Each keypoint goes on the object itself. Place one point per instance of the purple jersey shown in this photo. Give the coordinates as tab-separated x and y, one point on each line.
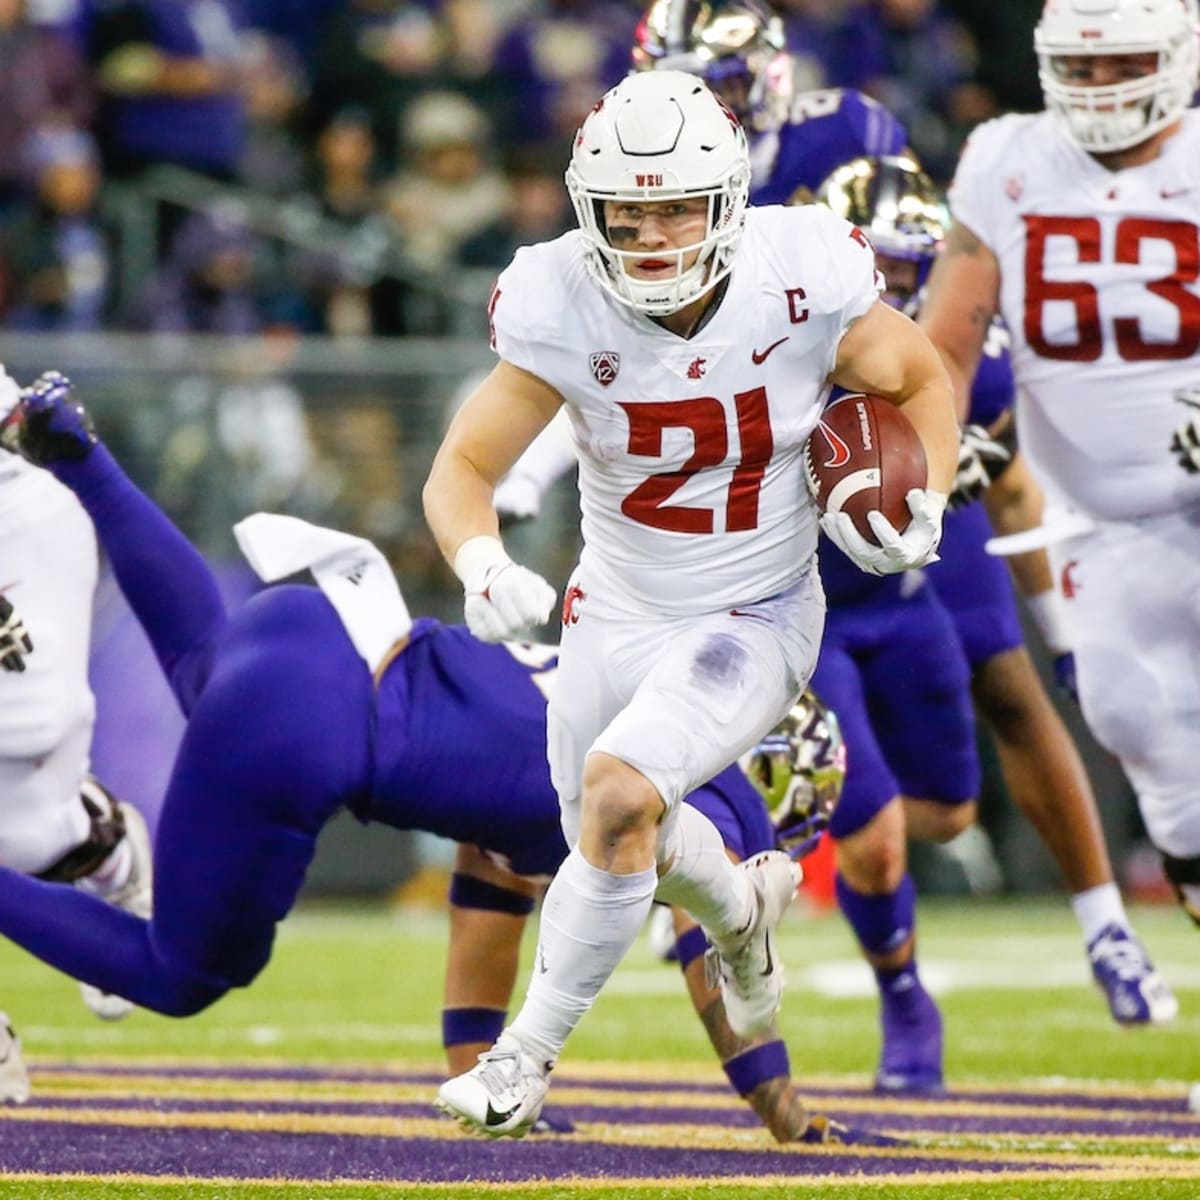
826	129
993	389
975	586
461	752
286	726
895	674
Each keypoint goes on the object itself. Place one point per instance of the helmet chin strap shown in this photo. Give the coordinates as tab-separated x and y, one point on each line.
679	291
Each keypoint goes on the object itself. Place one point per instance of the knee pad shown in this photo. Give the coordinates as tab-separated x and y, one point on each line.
1184	876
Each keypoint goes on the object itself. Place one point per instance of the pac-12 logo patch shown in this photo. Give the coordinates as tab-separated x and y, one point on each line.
605	364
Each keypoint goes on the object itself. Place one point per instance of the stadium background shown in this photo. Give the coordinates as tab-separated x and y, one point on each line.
281	313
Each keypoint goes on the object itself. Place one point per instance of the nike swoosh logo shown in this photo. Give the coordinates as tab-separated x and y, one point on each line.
758	358
839	452
494	1118
1171	193
14	583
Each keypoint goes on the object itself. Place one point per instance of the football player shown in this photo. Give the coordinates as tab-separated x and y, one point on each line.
56	820
900	210
1079	226
309	700
739	48
693	344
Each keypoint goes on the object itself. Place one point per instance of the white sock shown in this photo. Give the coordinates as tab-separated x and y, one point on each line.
589	920
701	879
1097	907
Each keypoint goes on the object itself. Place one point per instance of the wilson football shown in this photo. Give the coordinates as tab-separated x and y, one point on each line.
863	455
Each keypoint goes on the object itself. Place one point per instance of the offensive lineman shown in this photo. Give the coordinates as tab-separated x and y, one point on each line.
1079	226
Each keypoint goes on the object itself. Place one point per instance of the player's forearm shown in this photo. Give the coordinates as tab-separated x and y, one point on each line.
457	499
930	408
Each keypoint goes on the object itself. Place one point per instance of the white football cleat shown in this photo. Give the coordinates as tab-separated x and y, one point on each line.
746	968
14	1079
502	1095
135	896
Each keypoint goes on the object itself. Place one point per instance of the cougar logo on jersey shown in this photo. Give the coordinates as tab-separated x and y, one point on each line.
571	601
605	364
696	368
1014	187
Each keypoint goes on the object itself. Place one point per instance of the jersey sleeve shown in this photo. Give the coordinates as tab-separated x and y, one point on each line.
978	185
519	327
853	283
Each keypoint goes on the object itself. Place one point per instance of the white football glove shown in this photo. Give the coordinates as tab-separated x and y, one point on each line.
980	459
896	552
502	599
1185	442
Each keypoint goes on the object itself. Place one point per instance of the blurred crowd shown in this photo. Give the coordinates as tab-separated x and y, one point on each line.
350	161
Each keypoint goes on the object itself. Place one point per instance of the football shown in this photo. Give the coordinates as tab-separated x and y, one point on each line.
863	455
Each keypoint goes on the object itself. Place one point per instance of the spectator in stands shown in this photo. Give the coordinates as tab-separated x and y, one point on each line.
208	284
274	88
167	75
555	60
918	61
538	209
336	278
298	22
450	190
42	80
378	55
56	260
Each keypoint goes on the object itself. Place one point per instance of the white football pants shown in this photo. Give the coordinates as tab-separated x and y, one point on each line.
1132	596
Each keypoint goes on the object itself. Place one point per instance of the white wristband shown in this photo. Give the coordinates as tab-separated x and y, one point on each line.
476	556
1046	610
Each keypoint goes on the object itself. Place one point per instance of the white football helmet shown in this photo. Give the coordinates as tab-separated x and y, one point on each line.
738	47
1108	118
661	135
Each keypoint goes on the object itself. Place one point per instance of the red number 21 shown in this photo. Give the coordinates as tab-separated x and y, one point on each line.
705	417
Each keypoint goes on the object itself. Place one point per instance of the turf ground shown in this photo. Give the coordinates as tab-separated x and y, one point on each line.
317	1081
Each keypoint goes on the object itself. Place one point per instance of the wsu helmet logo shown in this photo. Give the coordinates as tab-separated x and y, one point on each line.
604	364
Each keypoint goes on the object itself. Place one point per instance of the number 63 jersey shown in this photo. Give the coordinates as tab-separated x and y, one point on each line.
1100	292
691	489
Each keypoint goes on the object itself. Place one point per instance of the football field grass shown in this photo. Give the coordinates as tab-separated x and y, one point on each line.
317	1081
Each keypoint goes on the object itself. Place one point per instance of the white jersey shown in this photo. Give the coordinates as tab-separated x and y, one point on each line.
691	488
1101	293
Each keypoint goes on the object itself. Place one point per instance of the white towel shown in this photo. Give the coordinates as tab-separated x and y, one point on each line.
351	572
